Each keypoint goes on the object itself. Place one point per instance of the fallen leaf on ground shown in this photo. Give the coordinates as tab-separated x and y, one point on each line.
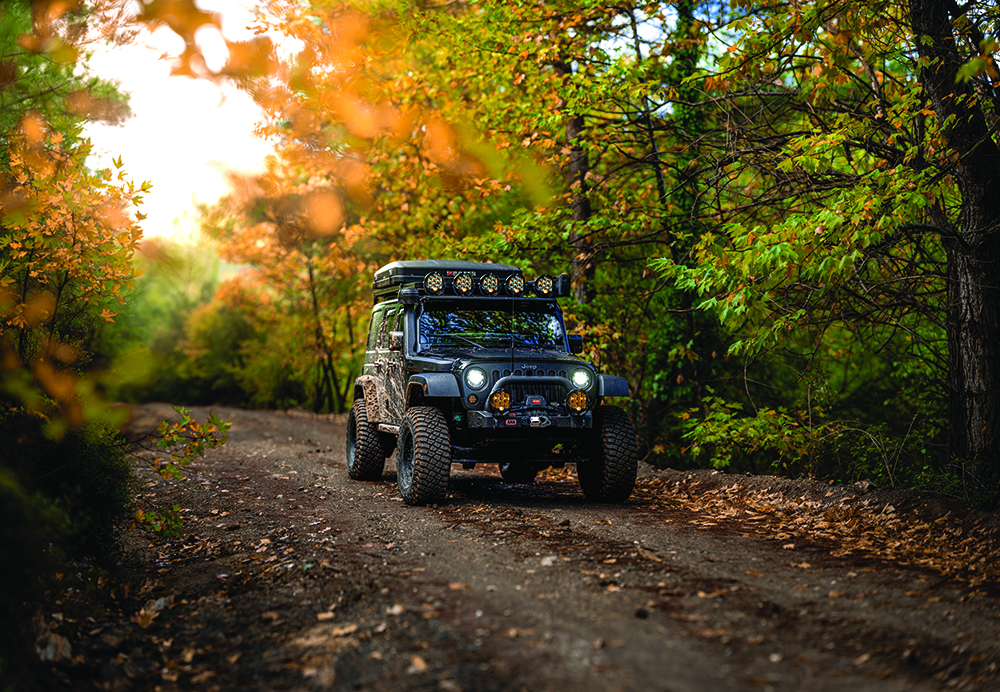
344	631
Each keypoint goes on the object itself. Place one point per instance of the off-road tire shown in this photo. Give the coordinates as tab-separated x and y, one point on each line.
423	456
609	476
365	456
518	473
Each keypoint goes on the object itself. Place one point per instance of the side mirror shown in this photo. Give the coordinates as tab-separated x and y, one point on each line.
395	341
575	343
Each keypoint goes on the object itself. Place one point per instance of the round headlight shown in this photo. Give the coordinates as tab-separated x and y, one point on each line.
582	378
515	284
475	378
489	284
434	283
544	285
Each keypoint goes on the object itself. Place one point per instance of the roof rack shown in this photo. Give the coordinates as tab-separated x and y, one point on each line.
459	278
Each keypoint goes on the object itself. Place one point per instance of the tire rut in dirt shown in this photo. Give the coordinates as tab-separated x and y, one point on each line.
423	456
610	475
365	456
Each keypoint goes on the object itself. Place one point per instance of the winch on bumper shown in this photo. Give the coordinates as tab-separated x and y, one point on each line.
527	419
533	410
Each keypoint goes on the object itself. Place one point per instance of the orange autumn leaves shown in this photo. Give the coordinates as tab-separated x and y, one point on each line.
68	239
67	233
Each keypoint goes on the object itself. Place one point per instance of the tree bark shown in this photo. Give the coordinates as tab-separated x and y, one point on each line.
973	259
579	166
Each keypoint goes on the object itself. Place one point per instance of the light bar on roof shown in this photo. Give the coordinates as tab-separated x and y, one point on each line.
464	283
434	283
545	285
489	284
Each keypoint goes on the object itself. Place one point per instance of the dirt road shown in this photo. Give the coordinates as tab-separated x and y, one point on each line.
290	576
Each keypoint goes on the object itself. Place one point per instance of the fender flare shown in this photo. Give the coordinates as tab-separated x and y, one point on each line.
364	388
432	385
612	385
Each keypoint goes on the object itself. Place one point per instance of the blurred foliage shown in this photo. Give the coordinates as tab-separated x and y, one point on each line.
60	499
67	235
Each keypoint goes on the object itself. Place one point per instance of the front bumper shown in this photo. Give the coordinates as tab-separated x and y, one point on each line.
483	420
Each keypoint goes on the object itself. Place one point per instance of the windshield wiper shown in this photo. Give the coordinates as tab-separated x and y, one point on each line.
459	336
526	343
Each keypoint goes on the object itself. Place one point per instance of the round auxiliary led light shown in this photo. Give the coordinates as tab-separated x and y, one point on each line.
464	283
582	378
434	283
515	284
475	378
577	400
500	401
544	285
489	284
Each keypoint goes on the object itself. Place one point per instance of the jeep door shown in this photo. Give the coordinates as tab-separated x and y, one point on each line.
392	375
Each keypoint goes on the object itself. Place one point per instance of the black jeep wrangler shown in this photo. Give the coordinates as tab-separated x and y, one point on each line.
467	362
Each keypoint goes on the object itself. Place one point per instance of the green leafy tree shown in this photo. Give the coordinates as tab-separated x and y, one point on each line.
850	199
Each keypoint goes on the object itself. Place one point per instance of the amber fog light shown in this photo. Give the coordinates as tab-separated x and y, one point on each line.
500	401
472	399
578	400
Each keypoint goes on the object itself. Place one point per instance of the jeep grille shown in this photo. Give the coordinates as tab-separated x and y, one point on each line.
552	393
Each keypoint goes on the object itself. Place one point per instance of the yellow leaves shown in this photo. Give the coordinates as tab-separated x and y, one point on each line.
33	128
107	315
252	58
61	386
441	139
363	119
35	311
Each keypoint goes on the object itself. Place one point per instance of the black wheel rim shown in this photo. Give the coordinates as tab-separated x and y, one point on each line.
352	440
404	459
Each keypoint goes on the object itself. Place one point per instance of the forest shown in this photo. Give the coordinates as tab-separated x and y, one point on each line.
780	221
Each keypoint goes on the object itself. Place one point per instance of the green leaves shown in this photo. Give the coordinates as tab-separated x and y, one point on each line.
187	440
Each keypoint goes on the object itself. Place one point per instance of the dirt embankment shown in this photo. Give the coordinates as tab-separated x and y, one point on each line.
291	576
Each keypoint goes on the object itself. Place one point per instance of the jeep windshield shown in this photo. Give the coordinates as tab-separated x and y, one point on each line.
490	326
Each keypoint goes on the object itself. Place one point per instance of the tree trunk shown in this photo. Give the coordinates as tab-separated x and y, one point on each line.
579	166
974	258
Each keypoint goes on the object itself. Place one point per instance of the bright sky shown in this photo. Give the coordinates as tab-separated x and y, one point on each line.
184	132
